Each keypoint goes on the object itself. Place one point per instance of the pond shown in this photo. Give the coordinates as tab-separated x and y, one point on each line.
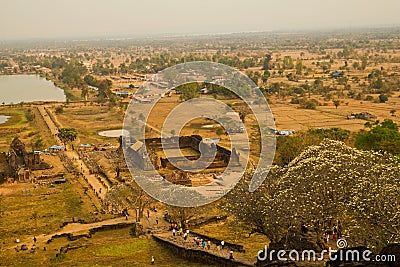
4	118
28	88
114	133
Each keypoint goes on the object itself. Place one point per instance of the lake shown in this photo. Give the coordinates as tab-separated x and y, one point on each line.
3	118
28	88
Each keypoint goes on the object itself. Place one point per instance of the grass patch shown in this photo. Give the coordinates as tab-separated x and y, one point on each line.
37	210
89	120
17	125
123	250
17	118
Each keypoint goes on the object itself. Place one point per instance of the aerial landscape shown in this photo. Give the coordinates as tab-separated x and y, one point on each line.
214	133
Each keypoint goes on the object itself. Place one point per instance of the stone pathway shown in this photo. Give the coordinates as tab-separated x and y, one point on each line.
72	229
99	188
215	249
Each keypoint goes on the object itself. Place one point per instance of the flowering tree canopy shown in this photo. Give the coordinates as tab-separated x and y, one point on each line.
330	181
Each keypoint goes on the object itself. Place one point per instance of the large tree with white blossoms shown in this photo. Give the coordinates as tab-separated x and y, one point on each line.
361	189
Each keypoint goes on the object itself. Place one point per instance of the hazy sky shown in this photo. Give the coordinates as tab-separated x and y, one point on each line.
22	19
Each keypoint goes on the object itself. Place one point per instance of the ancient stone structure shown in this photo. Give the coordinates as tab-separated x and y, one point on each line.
21	163
194	147
138	149
200	255
179	177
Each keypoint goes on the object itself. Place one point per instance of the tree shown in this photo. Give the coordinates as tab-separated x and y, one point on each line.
383	98
189	91
327	182
255	77
364	63
265	76
105	88
85	92
242	115
378	84
336	102
59	109
67	135
129	196
73	73
299	67
256	210
90	80
392	112
384	136
182	215
308	104
267	61
290	147
356	65
288	62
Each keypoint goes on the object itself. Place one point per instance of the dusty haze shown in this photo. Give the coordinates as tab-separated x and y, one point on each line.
21	19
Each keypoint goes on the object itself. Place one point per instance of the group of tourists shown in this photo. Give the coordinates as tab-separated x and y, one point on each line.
179	231
200	242
335	232
330	230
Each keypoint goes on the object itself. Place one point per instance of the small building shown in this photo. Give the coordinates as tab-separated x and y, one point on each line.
60	181
55	148
337	74
122	94
85	146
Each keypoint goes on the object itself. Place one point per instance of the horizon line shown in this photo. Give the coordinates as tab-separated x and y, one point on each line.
124	37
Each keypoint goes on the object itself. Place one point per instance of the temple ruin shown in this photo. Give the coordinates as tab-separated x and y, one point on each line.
17	163
190	150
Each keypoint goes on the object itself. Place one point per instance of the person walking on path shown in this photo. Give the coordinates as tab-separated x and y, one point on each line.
152	260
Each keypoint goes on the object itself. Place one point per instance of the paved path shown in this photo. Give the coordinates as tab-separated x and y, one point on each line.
100	189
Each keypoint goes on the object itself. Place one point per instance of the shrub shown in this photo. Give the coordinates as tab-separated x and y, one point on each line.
383	98
308	104
59	109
